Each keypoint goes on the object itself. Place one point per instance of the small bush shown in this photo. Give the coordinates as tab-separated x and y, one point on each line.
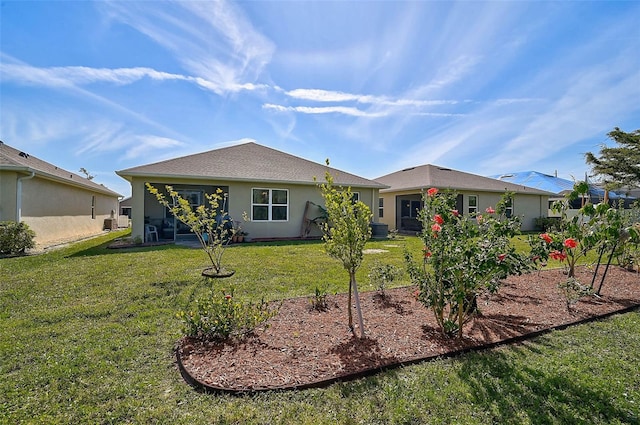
381	275
548	223
221	316
15	238
319	300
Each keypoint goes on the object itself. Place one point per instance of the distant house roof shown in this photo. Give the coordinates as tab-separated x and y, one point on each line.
246	162
553	184
14	160
426	176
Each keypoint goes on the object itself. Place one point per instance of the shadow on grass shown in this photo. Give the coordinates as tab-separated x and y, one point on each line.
514	392
103	249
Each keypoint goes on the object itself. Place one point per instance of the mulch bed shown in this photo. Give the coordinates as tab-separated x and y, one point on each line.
304	347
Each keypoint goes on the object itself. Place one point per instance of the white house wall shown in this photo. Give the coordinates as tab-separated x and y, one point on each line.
8	195
58	212
240	202
528	207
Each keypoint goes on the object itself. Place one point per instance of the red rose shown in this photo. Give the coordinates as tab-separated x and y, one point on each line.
570	243
432	192
436	227
438	219
490	210
455	213
546	237
557	255
501	257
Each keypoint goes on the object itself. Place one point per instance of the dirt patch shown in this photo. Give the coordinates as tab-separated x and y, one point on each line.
304	347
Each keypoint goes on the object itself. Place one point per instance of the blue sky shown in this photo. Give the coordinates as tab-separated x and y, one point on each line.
482	87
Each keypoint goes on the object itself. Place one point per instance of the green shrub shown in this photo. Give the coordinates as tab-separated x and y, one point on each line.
382	275
221	316
547	223
319	299
15	238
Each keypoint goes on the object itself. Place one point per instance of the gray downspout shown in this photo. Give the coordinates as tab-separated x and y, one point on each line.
19	195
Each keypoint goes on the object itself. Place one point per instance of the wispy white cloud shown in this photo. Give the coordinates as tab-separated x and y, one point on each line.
319	95
214	41
345	110
70	76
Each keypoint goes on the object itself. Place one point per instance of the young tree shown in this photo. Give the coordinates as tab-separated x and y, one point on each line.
345	234
208	223
619	166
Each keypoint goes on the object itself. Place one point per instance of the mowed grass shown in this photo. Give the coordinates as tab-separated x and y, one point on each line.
87	336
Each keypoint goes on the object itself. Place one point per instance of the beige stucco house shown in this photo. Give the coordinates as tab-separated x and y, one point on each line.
399	203
276	190
58	205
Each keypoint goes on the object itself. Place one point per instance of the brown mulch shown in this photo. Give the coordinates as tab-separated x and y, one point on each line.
303	347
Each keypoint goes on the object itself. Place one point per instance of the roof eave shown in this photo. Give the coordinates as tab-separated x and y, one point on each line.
129	177
53	177
532	191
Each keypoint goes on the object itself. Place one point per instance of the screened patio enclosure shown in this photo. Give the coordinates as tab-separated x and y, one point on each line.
408	208
167	226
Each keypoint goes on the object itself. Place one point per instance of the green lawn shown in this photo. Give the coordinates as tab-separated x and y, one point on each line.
87	336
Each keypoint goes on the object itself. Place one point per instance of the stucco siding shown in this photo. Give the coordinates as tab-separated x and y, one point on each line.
58	212
8	181
528	207
240	202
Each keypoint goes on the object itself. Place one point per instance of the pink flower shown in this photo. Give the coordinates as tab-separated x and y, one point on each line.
438	219
479	218
436	227
455	213
546	237
228	297
427	254
432	192
490	210
501	257
570	243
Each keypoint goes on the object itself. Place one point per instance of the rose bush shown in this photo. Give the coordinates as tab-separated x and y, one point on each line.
462	256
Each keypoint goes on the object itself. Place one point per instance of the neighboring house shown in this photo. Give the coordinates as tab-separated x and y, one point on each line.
125	207
400	202
561	187
277	191
58	205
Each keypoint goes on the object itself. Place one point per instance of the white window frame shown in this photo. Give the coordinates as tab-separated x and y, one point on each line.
270	205
508	211
472	209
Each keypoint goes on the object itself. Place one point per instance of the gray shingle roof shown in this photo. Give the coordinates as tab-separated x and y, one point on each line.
426	176
246	162
15	160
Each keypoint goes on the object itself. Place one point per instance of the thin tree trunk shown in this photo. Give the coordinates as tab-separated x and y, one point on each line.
349	306
352	279
606	269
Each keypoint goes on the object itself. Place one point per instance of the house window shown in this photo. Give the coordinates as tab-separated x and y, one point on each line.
93	207
473	204
355	196
508	210
381	207
270	205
